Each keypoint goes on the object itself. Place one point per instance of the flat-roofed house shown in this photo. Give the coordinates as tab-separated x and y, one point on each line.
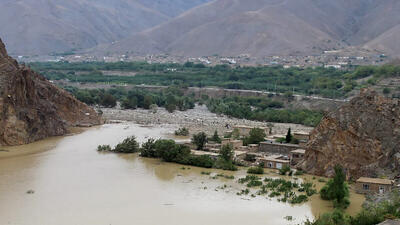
236	144
275	161
296	156
301	135
367	185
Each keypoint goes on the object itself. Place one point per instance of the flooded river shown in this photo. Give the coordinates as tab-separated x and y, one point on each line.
73	184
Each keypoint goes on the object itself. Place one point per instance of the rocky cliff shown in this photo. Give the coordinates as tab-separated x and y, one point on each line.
31	108
363	136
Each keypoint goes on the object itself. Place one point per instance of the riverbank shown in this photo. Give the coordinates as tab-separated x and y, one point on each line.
199	119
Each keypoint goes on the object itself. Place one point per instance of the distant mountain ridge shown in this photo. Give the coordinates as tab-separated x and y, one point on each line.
271	27
47	26
200	27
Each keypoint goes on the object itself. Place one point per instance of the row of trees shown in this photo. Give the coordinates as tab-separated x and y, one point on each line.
170	151
171	98
327	82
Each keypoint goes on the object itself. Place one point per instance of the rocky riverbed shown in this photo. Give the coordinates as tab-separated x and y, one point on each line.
197	119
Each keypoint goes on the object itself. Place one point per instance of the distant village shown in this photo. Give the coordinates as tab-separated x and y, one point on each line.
338	59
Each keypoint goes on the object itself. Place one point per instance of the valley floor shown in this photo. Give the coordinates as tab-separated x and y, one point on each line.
197	119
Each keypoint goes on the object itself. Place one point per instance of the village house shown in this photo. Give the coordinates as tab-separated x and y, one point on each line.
366	185
236	144
277	148
296	156
201	153
275	161
245	130
213	147
301	135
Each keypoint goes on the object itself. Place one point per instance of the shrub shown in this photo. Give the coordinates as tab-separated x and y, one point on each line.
148	149
215	138
129	145
255	170
200	140
182	132
256	135
103	148
284	170
254	183
298	173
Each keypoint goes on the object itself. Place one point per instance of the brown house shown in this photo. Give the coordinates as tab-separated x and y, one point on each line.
296	156
366	185
275	162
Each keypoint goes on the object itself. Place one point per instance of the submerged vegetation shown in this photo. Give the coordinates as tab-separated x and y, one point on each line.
129	145
370	215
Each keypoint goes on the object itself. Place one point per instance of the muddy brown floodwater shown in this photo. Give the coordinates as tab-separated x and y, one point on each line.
73	184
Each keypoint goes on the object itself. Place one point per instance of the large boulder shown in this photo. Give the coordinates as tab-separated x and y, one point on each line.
363	136
32	108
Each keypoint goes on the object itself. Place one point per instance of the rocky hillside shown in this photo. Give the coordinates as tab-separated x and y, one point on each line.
54	26
31	108
363	136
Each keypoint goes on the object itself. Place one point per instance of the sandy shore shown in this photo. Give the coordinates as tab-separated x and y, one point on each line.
196	120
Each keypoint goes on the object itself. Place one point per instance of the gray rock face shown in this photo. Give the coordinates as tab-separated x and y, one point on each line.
363	136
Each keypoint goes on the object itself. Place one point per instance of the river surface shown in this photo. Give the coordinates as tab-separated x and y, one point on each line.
73	184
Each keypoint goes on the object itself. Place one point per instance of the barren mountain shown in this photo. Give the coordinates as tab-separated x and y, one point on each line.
31	108
363	136
268	27
46	26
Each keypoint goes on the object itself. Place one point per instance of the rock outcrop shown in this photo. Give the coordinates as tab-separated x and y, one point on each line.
32	108
363	136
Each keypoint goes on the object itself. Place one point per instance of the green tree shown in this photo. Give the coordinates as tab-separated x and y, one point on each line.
289	136
336	189
129	103
147	102
386	91
226	152
256	135
108	101
129	145
200	140
148	149
215	138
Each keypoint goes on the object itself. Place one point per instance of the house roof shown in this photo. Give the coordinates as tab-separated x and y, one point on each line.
374	180
299	151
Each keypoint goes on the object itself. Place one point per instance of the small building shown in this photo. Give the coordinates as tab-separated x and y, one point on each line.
212	146
301	135
201	153
296	156
367	185
275	161
236	144
277	148
239	155
243	130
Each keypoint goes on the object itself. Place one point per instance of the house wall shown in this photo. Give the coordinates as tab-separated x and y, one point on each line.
373	188
277	148
274	165
236	144
295	158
